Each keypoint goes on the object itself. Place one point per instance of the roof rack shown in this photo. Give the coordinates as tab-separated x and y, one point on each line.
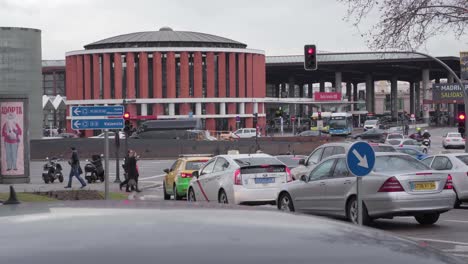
195	155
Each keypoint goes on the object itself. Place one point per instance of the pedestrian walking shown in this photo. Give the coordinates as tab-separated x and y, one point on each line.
131	167
75	169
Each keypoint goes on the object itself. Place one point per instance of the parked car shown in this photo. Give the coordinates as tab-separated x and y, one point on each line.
239	179
373	134
413	151
457	165
178	177
292	161
453	140
309	133
399	185
245	133
408	142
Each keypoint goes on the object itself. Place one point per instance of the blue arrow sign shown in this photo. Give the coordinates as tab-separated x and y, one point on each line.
113	110
360	159
83	124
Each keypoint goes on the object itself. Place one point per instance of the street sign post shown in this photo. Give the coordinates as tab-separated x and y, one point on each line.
238	119
97	118
360	160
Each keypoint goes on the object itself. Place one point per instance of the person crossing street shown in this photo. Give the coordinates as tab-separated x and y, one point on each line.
75	169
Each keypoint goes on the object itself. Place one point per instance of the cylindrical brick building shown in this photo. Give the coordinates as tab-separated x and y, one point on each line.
171	74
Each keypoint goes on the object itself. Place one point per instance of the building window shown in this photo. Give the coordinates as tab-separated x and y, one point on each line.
178	68
204	74
401	104
163	75
216	77
112	76
150	78
237	74
124	76
191	69
137	75
101	90
228	87
388	102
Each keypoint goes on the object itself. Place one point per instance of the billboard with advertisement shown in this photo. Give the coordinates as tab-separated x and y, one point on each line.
447	92
464	65
12	138
327	96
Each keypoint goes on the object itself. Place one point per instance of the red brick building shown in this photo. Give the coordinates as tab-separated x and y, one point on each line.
171	74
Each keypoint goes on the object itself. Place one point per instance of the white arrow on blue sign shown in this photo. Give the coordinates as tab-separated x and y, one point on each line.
81	124
83	111
360	159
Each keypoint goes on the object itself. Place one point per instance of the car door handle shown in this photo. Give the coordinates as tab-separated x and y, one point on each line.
347	182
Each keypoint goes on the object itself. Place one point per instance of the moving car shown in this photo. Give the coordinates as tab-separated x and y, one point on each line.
413	151
373	134
292	161
408	142
111	135
398	186
309	133
178	177
223	233
453	140
326	150
245	133
371	124
239	179
394	136
457	165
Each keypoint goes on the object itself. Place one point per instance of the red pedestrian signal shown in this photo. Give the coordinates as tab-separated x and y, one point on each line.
310	58
126	115
461	117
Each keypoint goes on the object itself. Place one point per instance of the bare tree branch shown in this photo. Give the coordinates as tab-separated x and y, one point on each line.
408	24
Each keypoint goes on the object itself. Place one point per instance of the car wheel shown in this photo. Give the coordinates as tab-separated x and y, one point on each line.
458	203
352	212
191	195
427	219
285	203
166	196
222	197
176	195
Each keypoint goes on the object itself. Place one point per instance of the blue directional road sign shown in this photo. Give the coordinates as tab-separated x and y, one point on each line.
82	111
360	159
83	124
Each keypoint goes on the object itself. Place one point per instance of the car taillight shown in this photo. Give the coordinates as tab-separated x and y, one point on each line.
237	177
401	145
448	140
288	175
448	183
186	175
391	185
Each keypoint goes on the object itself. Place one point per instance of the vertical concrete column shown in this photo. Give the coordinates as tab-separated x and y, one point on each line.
394	96
144	109
249	76
355	91
261	76
79	77
96	78
369	98
232	75
222	74
451	107
426	82
117	76
241	70
171	109
106	80
310	90
291	86
87	76
222	108
241	108
412	99
417	92
143	74
197	75
348	91
338	81
255	107
322	86
131	91
171	75
158	108
184	108
198	109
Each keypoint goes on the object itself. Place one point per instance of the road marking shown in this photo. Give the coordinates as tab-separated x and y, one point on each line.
456	221
439	241
460	255
457	248
152	177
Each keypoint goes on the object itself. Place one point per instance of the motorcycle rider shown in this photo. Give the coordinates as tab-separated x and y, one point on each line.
426	135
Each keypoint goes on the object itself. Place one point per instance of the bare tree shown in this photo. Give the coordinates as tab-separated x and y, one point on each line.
407	24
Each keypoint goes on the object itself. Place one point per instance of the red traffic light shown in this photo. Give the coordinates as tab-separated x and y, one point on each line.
311	51
461	116
126	115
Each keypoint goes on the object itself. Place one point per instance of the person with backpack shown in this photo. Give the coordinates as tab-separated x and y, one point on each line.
75	169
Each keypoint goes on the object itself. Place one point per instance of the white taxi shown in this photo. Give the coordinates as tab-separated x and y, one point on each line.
239	179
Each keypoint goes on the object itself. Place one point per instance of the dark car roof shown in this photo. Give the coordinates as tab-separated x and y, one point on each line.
171	232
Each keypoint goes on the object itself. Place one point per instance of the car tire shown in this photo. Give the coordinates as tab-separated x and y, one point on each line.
285	202
457	204
222	197
176	195
352	211
191	195
427	219
166	196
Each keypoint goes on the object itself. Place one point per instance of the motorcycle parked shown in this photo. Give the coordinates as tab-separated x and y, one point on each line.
53	171
94	170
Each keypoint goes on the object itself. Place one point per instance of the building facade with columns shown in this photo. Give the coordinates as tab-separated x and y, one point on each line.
168	74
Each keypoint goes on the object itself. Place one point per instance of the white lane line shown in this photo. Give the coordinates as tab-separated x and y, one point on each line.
456	221
439	241
460	255
152	177
457	249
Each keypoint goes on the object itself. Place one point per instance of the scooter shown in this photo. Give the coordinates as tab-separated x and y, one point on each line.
53	171
426	142
94	170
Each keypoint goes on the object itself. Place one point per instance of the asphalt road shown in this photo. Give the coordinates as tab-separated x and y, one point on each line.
450	234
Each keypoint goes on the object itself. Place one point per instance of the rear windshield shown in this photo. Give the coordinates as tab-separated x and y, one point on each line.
395	136
455	135
398	163
291	161
260	165
463	158
370	122
194	164
384	149
394	142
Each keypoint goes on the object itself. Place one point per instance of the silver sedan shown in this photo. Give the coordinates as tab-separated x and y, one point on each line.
399	185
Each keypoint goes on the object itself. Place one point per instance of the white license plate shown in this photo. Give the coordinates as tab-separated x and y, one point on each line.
264	180
456	140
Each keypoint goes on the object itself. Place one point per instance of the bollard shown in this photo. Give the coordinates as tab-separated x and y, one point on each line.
12	199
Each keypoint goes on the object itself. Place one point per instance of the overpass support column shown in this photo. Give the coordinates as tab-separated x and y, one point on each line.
451	107
291	86
369	95
411	97
348	91
310	90
322	86
417	98
394	96
338	81
425	87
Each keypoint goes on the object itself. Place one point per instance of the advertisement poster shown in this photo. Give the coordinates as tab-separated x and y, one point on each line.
12	138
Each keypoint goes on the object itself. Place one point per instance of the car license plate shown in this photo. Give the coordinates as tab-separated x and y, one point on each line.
456	140
423	186
264	180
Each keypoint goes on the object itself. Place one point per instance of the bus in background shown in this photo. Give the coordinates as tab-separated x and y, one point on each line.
341	124
325	118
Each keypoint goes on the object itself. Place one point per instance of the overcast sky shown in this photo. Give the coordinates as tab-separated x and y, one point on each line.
277	26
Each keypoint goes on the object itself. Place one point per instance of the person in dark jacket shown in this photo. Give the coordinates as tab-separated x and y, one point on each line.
132	173
75	169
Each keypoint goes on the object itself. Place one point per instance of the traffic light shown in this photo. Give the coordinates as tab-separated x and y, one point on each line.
461	123
126	115
310	58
